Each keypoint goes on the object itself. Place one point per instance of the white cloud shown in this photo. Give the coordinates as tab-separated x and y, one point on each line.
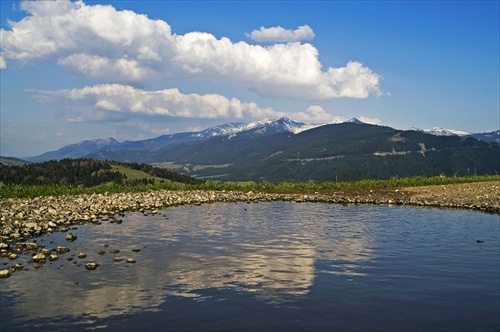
316	114
3	64
279	34
99	41
374	121
119	103
98	100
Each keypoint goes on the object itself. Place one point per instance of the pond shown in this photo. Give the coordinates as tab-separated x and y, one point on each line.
278	266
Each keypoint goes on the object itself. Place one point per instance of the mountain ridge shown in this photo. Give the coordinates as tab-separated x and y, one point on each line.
111	147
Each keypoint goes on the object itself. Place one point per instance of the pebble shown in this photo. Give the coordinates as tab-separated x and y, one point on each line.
4	273
62	250
17	267
39	258
91	266
70	237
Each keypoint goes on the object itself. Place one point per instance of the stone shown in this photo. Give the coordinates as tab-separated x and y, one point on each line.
70	237
12	256
4	273
39	258
46	251
117	259
82	255
17	267
53	258
131	260
62	250
114	251
31	246
91	266
101	252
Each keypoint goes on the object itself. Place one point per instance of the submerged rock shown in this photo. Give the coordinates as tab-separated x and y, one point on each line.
62	250
17	267
70	237
91	266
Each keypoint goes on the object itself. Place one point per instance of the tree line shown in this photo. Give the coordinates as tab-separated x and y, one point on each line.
82	172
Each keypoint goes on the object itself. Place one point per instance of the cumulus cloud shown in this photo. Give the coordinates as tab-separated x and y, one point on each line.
100	100
316	113
101	42
279	34
119	103
3	65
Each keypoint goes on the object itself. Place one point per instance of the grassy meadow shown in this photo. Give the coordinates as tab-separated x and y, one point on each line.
26	191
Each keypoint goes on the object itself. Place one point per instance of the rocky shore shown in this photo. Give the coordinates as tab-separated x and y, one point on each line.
24	219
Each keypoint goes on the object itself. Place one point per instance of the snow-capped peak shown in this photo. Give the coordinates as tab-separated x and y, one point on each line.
439	131
354	120
232	129
99	142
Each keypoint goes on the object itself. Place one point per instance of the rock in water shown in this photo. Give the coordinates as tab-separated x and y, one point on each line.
61	250
4	273
70	237
91	266
39	258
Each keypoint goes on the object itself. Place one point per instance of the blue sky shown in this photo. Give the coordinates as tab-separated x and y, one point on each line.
139	69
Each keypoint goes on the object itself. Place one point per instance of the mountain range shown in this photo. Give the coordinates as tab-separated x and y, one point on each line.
284	149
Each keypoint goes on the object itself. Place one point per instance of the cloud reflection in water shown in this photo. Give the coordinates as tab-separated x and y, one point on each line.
270	250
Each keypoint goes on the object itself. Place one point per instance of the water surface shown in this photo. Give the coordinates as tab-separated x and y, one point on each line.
267	266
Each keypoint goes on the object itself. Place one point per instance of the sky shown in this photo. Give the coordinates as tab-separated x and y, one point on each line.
131	70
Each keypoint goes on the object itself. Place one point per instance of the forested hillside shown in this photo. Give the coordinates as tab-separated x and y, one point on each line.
343	152
86	173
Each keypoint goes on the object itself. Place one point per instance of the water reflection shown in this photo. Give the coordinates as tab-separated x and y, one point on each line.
272	252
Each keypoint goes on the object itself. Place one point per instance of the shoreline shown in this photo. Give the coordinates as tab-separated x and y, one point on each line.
22	219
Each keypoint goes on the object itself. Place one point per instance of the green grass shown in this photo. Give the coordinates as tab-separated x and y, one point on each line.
22	191
133	174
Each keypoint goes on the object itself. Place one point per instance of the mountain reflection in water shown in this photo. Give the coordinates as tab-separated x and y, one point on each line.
271	252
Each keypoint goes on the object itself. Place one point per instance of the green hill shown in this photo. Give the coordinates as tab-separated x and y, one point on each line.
88	173
342	152
10	161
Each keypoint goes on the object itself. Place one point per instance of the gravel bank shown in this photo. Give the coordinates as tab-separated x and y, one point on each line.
23	219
